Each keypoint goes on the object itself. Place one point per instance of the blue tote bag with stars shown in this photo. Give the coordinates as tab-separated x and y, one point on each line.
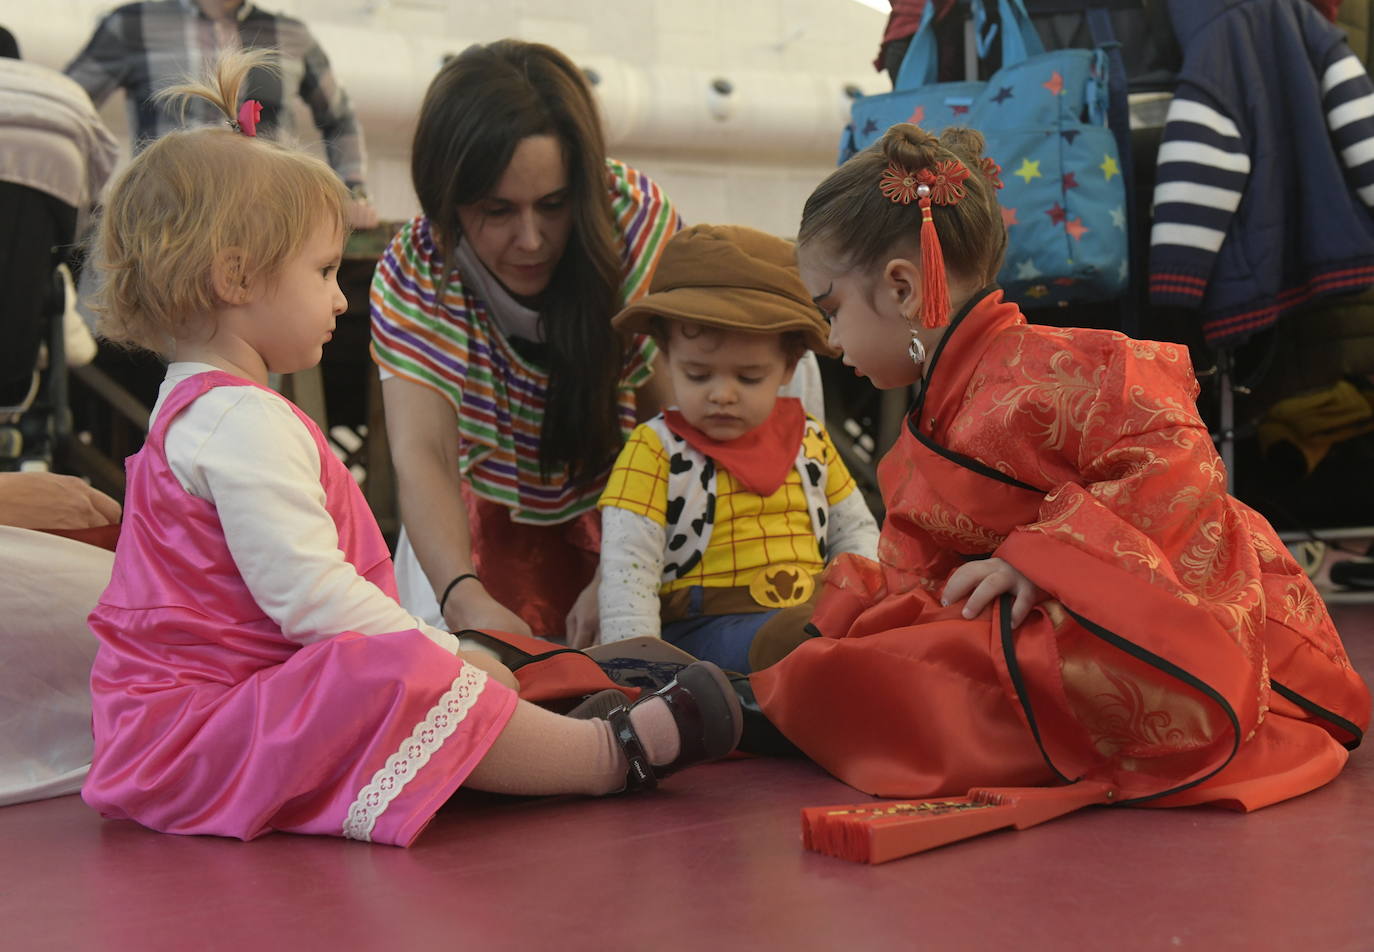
1044	116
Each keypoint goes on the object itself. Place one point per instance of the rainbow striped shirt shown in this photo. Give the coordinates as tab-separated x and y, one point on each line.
448	342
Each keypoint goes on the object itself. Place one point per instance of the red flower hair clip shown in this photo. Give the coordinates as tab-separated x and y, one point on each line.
992	170
946	181
898	184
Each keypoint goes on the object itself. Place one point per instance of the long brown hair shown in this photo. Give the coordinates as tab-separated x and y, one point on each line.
479	107
849	212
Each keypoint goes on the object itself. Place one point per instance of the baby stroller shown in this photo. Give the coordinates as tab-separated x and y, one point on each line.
55	154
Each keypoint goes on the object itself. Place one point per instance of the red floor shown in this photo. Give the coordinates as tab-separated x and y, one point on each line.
713	860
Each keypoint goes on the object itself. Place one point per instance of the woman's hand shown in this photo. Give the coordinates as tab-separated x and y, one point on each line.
984	580
584	621
51	501
470	606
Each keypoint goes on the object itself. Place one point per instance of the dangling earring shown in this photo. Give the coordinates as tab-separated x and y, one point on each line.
916	350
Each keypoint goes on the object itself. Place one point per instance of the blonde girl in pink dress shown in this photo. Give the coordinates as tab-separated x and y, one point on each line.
255	671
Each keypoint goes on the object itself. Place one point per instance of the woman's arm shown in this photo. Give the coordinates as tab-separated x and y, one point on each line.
423	430
49	501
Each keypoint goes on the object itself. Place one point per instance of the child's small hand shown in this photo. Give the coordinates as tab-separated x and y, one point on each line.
984	580
584	620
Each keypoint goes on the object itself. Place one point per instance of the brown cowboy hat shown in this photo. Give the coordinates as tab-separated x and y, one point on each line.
731	277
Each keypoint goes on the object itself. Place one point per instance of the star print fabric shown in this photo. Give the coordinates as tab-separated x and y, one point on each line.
1061	188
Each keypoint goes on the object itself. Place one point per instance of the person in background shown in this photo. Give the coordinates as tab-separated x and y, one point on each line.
144	47
902	24
722	510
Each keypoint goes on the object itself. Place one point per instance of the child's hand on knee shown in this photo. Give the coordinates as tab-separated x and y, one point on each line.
983	581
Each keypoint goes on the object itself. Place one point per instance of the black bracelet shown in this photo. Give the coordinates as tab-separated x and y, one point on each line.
451	586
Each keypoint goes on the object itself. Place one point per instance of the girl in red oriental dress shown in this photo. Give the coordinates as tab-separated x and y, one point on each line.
1064	588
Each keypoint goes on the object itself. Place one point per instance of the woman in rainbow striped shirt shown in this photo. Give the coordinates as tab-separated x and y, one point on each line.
507	392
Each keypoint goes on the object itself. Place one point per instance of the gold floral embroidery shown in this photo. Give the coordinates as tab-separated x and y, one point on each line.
1214	470
1197	560
1267	551
939	520
1165	412
1122	470
1189	499
1300	604
1233	599
1066	394
1122	719
1150	561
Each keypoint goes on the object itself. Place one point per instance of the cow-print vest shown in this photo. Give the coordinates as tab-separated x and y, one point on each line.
692	498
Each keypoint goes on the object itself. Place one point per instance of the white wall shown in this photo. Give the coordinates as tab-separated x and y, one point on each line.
788	60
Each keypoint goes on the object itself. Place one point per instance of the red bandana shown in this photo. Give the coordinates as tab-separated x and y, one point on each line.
760	459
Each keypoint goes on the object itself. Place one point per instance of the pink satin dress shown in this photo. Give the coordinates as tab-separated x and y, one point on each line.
208	719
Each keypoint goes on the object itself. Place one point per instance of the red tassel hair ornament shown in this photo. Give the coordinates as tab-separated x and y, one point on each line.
934	286
941	184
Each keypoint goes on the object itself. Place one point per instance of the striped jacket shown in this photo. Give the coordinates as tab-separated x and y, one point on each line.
1266	171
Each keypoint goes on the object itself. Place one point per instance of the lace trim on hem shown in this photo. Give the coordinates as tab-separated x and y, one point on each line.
402	767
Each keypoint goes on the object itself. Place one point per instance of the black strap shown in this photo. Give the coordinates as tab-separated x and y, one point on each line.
516	658
639	774
1174	671
1135	651
443	599
969	305
913	420
1316	710
1018	681
969	463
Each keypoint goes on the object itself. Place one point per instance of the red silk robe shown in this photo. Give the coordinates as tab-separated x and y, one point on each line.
1182	655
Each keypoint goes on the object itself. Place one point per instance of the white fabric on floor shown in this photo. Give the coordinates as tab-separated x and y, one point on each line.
48	585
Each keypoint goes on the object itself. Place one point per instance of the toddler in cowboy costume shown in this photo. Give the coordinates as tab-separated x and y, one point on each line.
721	511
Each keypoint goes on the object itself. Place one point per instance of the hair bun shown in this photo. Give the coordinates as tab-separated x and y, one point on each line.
910	146
966	143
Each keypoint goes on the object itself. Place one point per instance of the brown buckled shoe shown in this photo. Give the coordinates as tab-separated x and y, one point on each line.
708	717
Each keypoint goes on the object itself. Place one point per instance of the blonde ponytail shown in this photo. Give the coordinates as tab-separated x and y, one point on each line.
222	83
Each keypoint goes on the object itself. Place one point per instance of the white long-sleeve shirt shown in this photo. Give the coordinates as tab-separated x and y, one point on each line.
244	450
